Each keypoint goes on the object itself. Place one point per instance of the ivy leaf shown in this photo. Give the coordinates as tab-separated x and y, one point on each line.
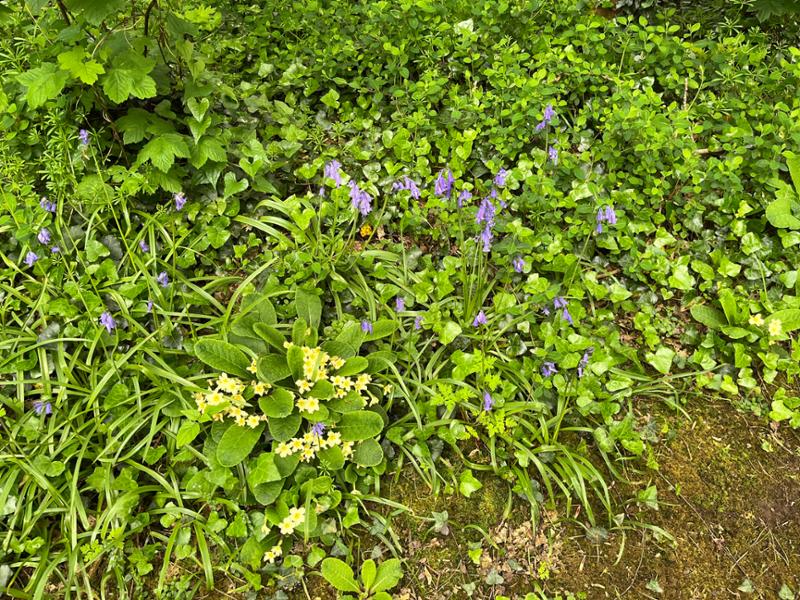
662	359
236	443
44	83
222	356
75	61
779	213
162	150
467	484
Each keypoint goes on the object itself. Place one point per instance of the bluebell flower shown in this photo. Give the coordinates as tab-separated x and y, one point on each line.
518	264
43	236
549	113
486	237
163	279
360	199
107	321
500	178
149	306
143	246
463	196
84	137
55	249
42	407
407	184
444	183
399	304
318	429
605	214
366	327
566	316
418	323
545	311
488	403
30	258
180	200
332	172
480	319
585	361
47	205
559	302
552	154
549	369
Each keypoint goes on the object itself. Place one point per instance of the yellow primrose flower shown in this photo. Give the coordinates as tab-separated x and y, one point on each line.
215	398
337	362
284	450
308	372
307	454
236	412
287	344
322	374
338	381
341	393
347	449
237	399
259	389
269	556
241	421
756	320
775	327
253	421
297	514
363	379
265	527
198	396
323	359
302	385
201	406
347	383
252	368
309	405
296	444
334	438
286	527
217	416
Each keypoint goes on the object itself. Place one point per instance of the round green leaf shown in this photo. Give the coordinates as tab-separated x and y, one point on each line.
368	453
359	425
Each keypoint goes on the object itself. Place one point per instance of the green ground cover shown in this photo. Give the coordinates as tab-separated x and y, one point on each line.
292	289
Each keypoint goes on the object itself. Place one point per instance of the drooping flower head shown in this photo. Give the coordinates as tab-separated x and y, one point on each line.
47	205
55	249
143	246
486	212
107	321
585	361
488	403
180	200
44	236
360	199
500	178
552	154
559	302
42	407
480	319
366	326
518	264
486	237
84	137
444	183
605	214
318	429
399	304
30	258
407	184
463	197
549	369
163	279
418	323
332	172
149	306
549	113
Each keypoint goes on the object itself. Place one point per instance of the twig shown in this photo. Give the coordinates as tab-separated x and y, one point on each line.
147	16
64	12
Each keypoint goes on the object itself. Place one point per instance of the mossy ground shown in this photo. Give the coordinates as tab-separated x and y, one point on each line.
732	507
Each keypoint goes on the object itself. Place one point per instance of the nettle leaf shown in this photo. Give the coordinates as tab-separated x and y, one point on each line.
162	150
278	404
273	368
661	359
222	356
359	425
368	453
43	83
237	443
339	575
467	484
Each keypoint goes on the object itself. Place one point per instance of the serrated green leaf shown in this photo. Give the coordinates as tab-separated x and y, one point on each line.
43	83
186	434
162	151
390	572
78	64
222	356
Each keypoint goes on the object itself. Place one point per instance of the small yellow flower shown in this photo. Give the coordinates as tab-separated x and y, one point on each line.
775	327
198	396
237	399
297	514
217	416
340	393
337	362
334	439
338	381
253	421
309	405
302	385
322	374
265	527
287	344
756	320
296	444
241	421
235	412
259	389
215	398
201	406
252	368
347	449
387	389
284	450
366	230
286	527
273	553
307	455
